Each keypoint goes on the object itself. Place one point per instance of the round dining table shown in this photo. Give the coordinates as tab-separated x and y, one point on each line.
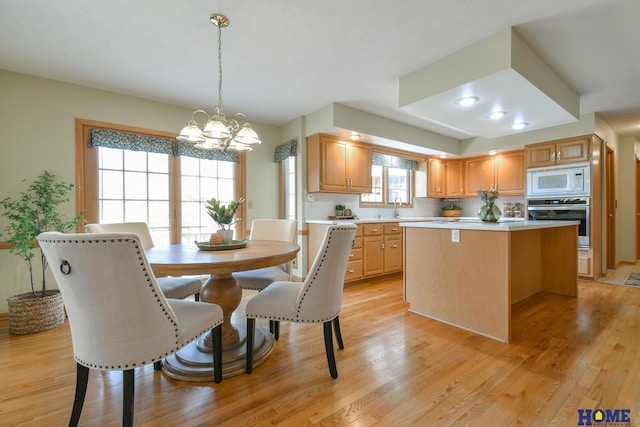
194	362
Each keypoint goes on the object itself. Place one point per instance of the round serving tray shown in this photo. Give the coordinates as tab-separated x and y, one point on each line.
235	244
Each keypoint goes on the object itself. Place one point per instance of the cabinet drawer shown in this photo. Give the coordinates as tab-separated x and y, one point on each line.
392	228
376	229
359	231
355	254
357	243
354	270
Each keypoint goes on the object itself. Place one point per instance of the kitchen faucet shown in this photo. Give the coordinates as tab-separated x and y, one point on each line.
395	206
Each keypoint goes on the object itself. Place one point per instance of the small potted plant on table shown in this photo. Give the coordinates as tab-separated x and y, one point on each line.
35	211
224	216
451	210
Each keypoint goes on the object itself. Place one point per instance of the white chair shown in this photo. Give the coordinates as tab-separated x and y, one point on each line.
119	317
268	229
172	287
317	299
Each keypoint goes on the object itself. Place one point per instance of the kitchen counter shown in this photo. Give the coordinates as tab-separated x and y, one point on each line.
468	274
411	219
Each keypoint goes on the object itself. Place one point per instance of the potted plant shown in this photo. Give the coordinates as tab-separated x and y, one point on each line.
451	210
34	211
224	216
340	210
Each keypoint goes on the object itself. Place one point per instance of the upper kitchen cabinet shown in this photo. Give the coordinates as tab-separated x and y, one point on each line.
337	166
570	150
504	173
445	178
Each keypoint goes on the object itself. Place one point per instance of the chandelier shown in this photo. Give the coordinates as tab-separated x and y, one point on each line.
220	132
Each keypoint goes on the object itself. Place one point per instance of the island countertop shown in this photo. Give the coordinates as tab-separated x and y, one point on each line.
488	226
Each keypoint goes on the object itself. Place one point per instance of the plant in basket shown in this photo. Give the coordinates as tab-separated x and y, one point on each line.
451	210
32	212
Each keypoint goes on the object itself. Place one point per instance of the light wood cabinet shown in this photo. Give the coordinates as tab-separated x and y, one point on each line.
504	173
436	178
355	263
454	178
392	248
570	150
445	178
337	166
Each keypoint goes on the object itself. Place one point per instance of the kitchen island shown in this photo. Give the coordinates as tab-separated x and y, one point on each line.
468	274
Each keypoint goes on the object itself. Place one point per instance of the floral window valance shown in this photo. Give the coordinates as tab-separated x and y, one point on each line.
286	150
155	144
385	160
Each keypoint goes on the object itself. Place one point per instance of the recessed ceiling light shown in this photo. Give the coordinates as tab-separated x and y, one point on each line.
467	101
443	156
355	136
497	115
519	125
493	152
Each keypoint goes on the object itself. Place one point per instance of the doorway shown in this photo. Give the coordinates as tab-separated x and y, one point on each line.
637	194
610	205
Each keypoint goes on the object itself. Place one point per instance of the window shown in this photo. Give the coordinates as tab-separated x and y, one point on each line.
390	183
288	186
154	181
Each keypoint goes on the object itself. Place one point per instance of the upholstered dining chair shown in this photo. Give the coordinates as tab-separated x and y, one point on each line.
172	287
317	299
119	317
268	229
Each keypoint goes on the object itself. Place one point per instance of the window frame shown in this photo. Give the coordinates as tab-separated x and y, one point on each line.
87	175
385	192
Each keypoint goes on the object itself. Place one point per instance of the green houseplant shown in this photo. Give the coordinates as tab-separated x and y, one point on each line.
32	212
451	210
224	216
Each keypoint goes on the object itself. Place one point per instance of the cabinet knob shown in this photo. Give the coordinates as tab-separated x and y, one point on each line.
351	255
351	271
553	156
558	156
394	246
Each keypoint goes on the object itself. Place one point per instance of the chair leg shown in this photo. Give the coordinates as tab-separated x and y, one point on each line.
157	366
127	398
274	328
336	328
197	296
82	378
216	335
328	345
250	334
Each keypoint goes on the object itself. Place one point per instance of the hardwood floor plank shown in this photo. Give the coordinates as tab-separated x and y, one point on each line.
397	368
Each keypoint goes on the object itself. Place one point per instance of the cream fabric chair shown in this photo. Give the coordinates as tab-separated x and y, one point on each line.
268	229
172	287
317	299
119	317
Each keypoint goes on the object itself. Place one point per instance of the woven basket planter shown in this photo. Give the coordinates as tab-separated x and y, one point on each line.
451	213
28	315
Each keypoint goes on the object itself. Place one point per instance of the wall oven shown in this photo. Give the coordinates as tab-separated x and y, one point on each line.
563	209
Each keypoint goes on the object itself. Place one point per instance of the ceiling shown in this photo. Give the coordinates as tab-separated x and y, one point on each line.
289	58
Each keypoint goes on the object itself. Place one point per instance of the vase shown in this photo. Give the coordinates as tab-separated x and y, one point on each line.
489	212
227	235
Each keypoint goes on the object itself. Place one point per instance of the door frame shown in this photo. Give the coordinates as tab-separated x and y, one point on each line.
610	206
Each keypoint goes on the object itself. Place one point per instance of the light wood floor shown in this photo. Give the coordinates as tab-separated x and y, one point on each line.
397	369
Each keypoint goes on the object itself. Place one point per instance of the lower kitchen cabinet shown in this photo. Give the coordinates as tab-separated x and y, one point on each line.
376	251
585	261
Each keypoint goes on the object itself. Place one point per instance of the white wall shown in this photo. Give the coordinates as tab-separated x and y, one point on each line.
37	132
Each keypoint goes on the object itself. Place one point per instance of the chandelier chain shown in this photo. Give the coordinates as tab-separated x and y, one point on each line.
220	67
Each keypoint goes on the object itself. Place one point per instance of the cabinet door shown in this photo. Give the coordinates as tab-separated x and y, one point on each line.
334	165
359	168
435	178
479	175
510	174
572	151
373	261
392	253
541	155
454	178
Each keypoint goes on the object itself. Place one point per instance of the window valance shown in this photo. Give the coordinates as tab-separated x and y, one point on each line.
388	161
155	144
286	150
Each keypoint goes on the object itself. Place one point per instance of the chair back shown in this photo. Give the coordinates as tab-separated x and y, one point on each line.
274	229
140	228
117	313
320	298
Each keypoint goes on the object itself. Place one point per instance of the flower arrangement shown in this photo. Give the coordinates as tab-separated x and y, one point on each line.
223	215
487	195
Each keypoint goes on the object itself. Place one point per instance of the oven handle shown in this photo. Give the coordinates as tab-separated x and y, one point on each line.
558	208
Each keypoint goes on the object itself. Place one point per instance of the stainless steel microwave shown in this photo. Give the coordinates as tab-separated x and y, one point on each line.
559	181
